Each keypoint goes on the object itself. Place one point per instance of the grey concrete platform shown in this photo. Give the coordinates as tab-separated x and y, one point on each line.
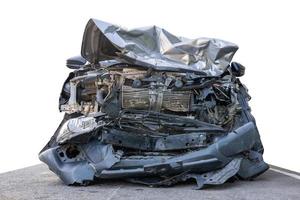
37	182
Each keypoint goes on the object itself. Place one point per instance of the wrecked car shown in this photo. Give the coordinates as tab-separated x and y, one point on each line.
149	107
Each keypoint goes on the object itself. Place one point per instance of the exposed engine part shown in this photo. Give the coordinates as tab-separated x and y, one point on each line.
156	98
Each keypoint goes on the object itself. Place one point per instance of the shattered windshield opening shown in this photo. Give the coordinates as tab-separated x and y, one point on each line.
149	107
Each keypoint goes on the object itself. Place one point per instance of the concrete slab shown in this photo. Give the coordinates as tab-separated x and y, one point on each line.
37	182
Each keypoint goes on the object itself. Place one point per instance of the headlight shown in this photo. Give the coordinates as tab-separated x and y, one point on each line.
76	126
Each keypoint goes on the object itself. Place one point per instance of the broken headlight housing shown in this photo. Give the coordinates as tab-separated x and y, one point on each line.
75	127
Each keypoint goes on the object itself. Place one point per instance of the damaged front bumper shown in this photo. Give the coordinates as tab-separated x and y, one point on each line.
230	156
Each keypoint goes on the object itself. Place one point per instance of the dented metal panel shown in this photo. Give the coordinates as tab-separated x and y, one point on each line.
155	47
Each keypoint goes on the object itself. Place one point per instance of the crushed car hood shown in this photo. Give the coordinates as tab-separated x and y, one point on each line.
155	47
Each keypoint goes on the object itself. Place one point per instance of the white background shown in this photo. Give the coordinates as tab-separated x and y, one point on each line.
36	37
